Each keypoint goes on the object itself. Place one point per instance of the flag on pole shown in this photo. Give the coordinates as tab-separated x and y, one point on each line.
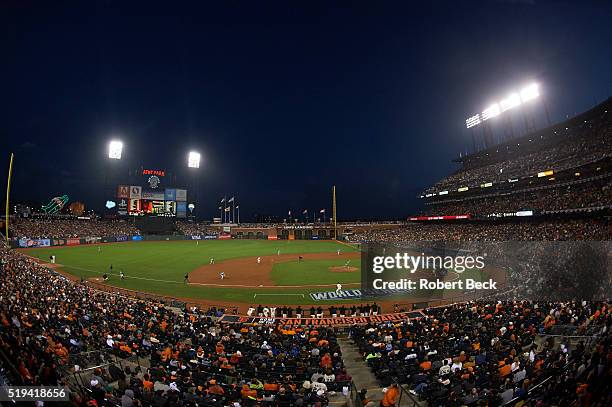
322	211
227	209
223	200
220	207
305	212
231	199
237	206
289	212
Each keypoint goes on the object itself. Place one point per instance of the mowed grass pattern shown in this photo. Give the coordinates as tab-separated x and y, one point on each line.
159	267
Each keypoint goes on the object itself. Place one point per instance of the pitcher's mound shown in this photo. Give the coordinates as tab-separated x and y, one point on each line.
343	269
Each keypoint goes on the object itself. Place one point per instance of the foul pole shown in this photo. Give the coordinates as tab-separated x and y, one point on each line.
8	194
334	212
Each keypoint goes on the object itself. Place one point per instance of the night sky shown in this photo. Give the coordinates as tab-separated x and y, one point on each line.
283	99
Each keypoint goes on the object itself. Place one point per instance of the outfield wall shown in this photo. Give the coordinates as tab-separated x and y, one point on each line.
281	232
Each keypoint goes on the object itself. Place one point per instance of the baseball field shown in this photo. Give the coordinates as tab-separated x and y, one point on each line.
243	271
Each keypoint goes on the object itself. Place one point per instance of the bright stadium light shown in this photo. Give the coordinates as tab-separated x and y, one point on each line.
490	112
513	100
472	121
193	160
115	148
530	92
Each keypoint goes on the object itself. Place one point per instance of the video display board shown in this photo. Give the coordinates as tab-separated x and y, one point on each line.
142	200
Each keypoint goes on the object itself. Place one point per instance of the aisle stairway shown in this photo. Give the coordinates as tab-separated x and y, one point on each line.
359	370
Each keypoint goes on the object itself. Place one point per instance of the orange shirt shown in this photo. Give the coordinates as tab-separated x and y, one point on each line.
505	370
326	361
425	365
271	386
147	385
166	354
390	396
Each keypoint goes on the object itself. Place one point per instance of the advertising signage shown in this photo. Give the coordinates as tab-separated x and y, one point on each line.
159	173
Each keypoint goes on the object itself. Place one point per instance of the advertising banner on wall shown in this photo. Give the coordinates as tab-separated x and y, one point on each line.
153	195
123	191
181	209
170	194
135	206
170	207
181	195
135	192
122	206
92	239
73	242
338	321
34	242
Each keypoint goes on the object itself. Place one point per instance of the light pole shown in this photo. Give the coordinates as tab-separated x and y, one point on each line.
193	161
115	152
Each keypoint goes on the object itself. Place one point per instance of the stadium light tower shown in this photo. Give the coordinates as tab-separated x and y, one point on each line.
514	99
115	148
193	160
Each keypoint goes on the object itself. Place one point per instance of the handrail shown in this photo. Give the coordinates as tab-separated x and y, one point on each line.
551	376
12	367
407	393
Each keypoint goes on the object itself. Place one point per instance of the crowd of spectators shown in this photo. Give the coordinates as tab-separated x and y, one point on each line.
196	229
47	322
487	353
561	229
573	148
57	228
578	196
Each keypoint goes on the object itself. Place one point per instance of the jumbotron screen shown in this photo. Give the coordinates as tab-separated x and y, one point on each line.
136	200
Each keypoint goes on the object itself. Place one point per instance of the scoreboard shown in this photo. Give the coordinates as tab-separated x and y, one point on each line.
151	198
136	201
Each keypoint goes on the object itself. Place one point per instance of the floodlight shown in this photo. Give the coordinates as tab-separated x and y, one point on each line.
513	100
193	160
472	121
490	112
115	148
530	92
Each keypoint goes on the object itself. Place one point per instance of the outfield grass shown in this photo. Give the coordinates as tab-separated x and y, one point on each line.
315	272
159	267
